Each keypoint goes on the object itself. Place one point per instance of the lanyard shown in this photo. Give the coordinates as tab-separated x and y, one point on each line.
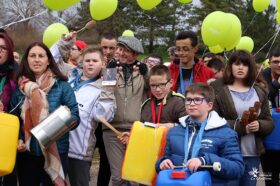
154	111
77	84
197	142
2	84
182	83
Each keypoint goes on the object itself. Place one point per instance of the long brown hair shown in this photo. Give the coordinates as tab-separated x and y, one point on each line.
24	69
244	57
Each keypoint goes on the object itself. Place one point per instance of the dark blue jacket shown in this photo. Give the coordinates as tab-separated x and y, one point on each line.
219	144
60	94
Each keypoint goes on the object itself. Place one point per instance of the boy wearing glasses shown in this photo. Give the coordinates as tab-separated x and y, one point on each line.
190	69
202	138
272	77
164	106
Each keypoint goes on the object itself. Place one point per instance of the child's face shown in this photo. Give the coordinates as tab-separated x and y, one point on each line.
218	73
160	86
92	65
197	106
239	70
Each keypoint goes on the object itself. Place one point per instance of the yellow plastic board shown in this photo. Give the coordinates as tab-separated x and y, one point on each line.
145	145
9	129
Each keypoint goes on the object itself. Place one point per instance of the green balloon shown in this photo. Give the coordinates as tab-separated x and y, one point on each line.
215	28
102	9
128	33
59	4
53	33
216	49
148	4
278	18
234	34
245	43
184	1
260	5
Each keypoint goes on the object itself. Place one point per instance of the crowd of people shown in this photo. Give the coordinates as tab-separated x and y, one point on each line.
202	101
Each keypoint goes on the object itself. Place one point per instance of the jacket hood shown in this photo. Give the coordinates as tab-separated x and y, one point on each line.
214	121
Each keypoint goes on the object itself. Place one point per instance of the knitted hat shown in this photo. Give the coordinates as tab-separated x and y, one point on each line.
131	43
80	44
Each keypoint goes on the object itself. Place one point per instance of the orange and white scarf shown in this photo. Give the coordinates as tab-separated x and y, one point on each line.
35	108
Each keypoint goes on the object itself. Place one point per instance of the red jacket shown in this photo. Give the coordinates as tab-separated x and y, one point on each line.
201	73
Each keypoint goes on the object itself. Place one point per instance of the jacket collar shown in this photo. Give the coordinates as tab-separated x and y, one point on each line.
213	121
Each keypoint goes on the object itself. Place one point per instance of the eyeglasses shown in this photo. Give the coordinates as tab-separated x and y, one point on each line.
3	49
196	100
183	49
275	62
159	85
75	48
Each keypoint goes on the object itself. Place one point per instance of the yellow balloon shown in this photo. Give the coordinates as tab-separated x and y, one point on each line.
59	4
260	5
128	33
278	4
102	9
53	33
148	4
234	34
245	43
184	1
266	63
216	49
215	28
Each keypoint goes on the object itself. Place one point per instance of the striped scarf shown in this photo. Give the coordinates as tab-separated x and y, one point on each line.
35	109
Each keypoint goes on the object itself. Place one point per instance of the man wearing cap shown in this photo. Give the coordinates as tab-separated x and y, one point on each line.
129	95
61	49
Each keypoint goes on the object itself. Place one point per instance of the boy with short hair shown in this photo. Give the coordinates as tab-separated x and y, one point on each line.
164	106
208	137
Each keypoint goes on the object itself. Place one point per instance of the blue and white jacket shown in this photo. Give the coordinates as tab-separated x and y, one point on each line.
93	101
219	144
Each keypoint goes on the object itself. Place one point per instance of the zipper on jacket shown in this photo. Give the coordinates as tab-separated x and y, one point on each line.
191	139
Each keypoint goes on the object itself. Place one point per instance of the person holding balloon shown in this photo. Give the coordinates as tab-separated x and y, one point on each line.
243	103
42	88
190	70
8	67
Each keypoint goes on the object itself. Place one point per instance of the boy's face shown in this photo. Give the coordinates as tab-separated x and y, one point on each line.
197	106
160	85
92	65
274	64
218	73
185	51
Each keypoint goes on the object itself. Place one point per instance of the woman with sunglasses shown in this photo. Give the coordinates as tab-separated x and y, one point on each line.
236	93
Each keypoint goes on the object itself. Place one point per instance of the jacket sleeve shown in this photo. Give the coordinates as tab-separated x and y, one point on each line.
60	49
105	105
167	153
69	100
265	119
230	157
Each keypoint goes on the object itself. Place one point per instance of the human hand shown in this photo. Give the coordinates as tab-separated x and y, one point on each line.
124	137
22	81
141	67
254	126
193	164
21	147
70	35
166	164
1	107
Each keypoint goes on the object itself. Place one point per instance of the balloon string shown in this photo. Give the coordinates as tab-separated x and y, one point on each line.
272	42
250	23
25	19
266	43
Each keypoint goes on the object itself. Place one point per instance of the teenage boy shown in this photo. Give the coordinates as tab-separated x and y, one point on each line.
190	69
164	106
206	135
93	100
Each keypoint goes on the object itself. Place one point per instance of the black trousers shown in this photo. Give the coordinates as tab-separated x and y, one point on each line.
9	180
79	172
31	169
104	173
271	165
